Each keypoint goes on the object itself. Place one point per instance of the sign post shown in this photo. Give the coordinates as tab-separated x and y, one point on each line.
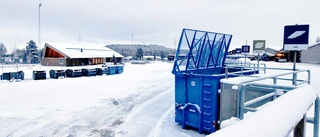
245	50
238	52
296	37
61	62
259	46
17	61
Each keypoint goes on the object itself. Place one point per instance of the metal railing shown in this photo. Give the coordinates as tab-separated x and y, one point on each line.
244	68
292	119
275	91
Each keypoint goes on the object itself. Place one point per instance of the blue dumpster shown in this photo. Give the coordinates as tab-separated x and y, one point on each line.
57	73
39	74
119	69
198	68
112	70
101	71
89	72
12	75
5	76
73	73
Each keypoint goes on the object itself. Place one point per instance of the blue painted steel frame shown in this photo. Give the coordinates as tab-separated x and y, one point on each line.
197	46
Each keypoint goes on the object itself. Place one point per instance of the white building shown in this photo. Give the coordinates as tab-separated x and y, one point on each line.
312	55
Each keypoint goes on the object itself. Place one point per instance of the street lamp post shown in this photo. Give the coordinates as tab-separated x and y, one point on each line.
132	39
39	40
39	24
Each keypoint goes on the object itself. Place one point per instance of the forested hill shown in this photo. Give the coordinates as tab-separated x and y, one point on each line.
148	50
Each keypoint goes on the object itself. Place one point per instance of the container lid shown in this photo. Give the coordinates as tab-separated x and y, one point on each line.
199	49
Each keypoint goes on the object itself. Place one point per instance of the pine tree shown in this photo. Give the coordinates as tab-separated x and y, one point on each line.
31	52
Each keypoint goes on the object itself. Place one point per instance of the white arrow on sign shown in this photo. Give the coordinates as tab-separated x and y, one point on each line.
296	34
258	45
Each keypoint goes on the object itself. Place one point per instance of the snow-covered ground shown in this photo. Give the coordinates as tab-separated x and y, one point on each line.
138	102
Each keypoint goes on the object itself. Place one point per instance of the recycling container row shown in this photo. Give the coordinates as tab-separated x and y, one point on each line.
41	74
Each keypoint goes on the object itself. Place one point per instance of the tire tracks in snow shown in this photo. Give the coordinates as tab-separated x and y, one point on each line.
148	110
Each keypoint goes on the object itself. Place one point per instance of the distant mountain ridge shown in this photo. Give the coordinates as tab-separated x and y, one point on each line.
148	50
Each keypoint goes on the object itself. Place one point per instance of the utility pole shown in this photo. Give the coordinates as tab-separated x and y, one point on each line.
39	59
132	39
39	42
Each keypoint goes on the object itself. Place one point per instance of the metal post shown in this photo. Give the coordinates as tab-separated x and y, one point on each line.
254	69
61	69
309	76
294	82
39	35
245	59
258	61
132	39
39	24
316	118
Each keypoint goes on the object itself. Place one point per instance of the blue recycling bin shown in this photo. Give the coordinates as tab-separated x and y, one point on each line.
73	73
198	68
89	72
5	76
119	69
112	70
39	74
101	71
57	73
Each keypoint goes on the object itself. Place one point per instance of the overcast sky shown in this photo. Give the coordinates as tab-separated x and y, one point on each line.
152	21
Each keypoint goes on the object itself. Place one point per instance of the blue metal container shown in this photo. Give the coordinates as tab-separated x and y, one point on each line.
112	70
198	68
39	74
57	73
74	73
101	71
5	76
119	69
89	72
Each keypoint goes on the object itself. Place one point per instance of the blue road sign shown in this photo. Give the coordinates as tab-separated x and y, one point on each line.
238	50
245	49
296	37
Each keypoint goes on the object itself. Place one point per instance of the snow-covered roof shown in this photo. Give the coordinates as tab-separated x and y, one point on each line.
314	45
80	51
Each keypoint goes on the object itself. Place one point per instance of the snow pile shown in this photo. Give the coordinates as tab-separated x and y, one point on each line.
276	119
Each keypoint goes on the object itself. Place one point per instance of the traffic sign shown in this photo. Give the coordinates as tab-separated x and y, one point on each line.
259	46
245	49
296	37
